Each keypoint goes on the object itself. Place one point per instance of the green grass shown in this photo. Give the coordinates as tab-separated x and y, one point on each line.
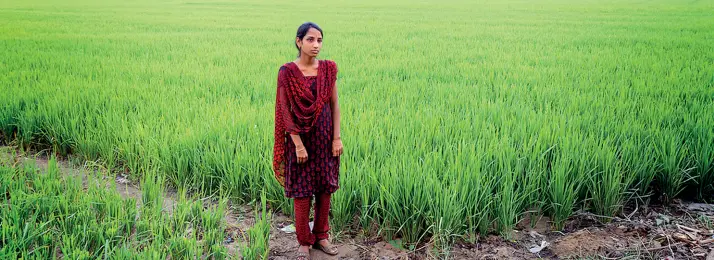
458	116
258	236
50	215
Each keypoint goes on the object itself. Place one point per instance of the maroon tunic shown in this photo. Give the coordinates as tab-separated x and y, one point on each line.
320	173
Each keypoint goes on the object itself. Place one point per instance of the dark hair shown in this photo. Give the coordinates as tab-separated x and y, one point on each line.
302	31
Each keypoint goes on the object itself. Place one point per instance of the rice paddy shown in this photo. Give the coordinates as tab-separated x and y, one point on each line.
458	117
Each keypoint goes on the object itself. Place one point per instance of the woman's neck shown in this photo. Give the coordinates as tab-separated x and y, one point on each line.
307	61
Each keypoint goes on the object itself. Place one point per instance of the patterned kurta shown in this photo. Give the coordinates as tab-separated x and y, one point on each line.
320	173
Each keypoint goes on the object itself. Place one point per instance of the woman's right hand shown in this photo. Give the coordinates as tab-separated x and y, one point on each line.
301	154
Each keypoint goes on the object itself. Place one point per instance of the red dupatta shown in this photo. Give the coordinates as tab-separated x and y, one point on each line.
296	108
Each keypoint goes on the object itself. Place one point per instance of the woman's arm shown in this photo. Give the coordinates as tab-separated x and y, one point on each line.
299	148
335	106
336	140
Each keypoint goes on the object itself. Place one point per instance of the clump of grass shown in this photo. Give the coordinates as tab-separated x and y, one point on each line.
609	183
510	194
703	144
673	172
564	186
256	240
407	221
639	160
213	228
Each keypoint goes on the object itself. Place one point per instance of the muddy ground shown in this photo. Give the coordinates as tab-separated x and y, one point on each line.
681	230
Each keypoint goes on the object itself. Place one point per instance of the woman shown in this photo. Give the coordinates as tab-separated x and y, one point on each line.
307	150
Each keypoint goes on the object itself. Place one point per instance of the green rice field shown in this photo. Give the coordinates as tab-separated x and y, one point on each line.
458	117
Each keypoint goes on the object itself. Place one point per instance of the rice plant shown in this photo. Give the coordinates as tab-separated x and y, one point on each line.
257	237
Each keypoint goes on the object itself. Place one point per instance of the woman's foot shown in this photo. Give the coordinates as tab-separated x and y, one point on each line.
303	253
325	246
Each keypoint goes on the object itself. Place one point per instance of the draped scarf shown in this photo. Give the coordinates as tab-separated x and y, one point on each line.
296	108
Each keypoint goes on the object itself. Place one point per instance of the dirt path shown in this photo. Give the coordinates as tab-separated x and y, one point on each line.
680	231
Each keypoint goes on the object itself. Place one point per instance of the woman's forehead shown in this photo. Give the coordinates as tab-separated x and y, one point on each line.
314	33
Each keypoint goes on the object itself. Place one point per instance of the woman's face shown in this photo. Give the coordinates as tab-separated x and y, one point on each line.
310	44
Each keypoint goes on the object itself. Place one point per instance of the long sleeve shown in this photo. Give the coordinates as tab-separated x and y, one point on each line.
334	103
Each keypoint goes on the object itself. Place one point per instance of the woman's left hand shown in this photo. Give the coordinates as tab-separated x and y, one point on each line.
337	147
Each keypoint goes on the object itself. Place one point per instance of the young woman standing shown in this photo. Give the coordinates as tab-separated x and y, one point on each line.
307	149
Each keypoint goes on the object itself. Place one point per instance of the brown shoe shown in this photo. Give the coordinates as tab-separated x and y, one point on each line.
330	250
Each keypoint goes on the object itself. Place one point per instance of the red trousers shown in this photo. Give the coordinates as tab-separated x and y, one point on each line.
302	218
